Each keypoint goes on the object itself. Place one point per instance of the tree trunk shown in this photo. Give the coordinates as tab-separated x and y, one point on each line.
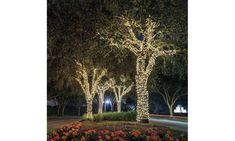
119	104
105	107
171	111
79	109
58	111
101	102
142	98
89	108
111	107
62	110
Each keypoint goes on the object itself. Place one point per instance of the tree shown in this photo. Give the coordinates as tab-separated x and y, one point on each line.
146	44
89	86
170	98
120	91
101	89
60	95
155	104
76	100
72	32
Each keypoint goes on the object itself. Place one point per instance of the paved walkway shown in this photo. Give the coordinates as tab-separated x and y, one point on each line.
54	123
180	125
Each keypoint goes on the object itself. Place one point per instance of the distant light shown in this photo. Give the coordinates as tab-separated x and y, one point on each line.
107	101
180	109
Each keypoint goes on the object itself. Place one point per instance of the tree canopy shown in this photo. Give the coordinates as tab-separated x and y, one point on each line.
75	31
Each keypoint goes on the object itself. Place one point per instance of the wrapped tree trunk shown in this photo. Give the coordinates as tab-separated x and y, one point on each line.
142	99
89	108
89	87
101	102
146	47
119	108
101	89
119	92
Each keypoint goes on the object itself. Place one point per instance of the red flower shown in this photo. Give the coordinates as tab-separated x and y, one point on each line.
63	138
155	138
135	133
83	138
107	137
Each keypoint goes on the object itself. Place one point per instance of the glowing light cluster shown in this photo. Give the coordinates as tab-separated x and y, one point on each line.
89	88
146	50
180	109
101	89
119	92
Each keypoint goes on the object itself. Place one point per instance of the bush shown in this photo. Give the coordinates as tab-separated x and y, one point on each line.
84	116
115	116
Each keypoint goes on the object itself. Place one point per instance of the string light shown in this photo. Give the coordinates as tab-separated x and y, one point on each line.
146	50
101	89
89	89
119	92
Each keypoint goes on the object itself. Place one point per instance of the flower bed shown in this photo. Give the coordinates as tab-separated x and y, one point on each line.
74	132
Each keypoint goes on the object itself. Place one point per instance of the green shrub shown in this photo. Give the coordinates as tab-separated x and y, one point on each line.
84	116
115	116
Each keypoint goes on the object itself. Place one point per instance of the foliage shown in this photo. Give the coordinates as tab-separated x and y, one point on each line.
72	35
74	132
115	116
51	111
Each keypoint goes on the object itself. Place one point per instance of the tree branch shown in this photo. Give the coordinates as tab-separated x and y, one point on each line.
167	52
178	97
174	95
128	89
96	80
129	25
151	63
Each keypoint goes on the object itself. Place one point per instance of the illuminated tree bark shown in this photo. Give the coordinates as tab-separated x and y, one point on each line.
146	49
89	87
119	92
101	102
89	108
101	89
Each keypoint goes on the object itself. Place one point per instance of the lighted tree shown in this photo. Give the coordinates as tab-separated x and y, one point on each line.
170	98
146	43
89	86
120	91
101	89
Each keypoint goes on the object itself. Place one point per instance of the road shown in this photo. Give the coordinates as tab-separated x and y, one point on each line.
180	125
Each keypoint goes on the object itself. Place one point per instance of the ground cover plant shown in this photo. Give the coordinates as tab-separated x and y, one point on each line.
115	116
132	131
